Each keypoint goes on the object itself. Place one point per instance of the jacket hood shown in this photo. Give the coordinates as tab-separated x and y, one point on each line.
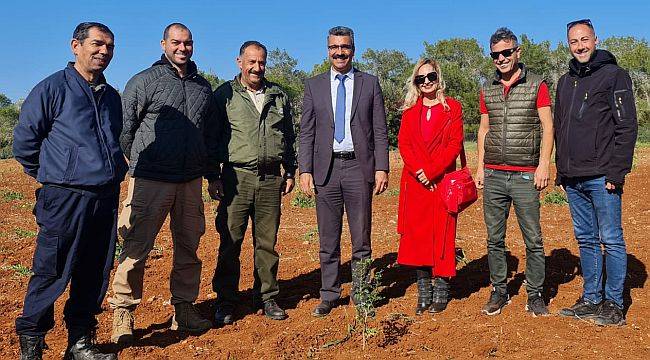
191	65
599	59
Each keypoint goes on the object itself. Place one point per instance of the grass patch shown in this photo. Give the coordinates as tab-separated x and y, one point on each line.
19	270
12	195
311	235
22	233
555	197
393	192
301	200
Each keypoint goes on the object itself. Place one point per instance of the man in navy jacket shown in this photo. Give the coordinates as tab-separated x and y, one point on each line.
67	138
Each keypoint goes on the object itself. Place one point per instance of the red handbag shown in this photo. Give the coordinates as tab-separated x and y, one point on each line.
457	188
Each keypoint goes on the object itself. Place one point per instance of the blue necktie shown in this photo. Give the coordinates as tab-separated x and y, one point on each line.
339	121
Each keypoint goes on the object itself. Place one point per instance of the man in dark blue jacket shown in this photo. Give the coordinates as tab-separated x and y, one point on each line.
67	138
595	133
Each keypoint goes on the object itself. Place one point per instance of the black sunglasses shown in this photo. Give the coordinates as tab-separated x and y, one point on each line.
506	53
420	79
579	22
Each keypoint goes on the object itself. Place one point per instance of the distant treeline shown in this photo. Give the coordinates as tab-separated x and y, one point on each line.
465	67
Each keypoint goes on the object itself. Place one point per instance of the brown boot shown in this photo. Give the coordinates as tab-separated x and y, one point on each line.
187	318
122	326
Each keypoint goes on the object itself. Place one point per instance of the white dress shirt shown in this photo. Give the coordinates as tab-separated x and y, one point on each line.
346	144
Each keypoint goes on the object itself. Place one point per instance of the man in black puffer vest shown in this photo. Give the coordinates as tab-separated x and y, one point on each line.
595	131
169	139
515	141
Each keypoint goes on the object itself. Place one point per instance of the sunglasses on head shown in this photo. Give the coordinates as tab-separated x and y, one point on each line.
420	79
579	22
506	53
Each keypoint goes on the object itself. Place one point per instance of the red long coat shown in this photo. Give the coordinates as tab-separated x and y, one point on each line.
428	231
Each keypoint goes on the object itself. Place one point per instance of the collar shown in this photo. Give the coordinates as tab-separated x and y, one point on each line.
522	75
101	80
261	90
333	74
191	66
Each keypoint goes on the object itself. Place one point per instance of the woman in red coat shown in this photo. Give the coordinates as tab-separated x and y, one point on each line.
430	139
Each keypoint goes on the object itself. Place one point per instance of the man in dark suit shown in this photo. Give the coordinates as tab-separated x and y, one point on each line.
343	159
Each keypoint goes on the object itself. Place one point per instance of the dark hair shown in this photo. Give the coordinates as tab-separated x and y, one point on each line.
80	33
248	43
178	25
342	31
503	34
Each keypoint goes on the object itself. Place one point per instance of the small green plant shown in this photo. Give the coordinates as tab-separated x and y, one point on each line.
311	235
118	249
555	197
301	200
22	233
393	192
367	295
19	270
461	258
12	195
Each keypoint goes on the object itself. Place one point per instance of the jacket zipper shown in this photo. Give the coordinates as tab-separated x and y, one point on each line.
185	112
100	130
504	126
568	127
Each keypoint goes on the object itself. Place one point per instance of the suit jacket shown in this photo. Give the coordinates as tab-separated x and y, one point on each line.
367	125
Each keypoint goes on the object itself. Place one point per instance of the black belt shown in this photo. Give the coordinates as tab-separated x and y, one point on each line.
345	155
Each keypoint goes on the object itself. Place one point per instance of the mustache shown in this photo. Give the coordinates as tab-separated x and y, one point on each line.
340	56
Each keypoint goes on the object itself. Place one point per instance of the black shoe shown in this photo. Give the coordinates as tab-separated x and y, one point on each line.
324	308
424	295
224	314
610	314
273	311
81	346
582	309
496	303
440	295
31	347
536	306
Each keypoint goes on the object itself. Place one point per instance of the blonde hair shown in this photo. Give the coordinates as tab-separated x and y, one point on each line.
413	91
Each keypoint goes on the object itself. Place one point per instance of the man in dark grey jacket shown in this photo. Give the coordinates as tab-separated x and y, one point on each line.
168	117
596	129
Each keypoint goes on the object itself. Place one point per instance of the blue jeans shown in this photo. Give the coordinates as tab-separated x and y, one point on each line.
596	214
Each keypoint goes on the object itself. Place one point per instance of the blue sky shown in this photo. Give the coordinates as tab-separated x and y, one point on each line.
40	31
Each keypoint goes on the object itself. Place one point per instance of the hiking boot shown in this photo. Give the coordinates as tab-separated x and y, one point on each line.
31	347
81	346
273	311
582	309
424	295
496	302
610	314
187	318
224	314
440	297
536	306
122	326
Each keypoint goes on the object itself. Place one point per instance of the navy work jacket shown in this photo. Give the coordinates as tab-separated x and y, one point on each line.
64	136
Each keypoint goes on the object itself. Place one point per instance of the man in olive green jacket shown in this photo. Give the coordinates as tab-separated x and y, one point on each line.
258	141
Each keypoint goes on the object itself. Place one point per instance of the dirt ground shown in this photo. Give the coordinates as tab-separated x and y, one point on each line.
458	333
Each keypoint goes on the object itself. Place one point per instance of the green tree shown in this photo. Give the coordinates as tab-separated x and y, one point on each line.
8	120
393	68
212	78
281	68
464	67
4	101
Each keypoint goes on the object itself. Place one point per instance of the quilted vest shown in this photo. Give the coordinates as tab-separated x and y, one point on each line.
515	130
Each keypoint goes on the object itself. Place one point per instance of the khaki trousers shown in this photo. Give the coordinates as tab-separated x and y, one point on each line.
145	209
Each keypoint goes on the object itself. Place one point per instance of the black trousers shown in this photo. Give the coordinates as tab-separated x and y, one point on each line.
76	245
346	188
